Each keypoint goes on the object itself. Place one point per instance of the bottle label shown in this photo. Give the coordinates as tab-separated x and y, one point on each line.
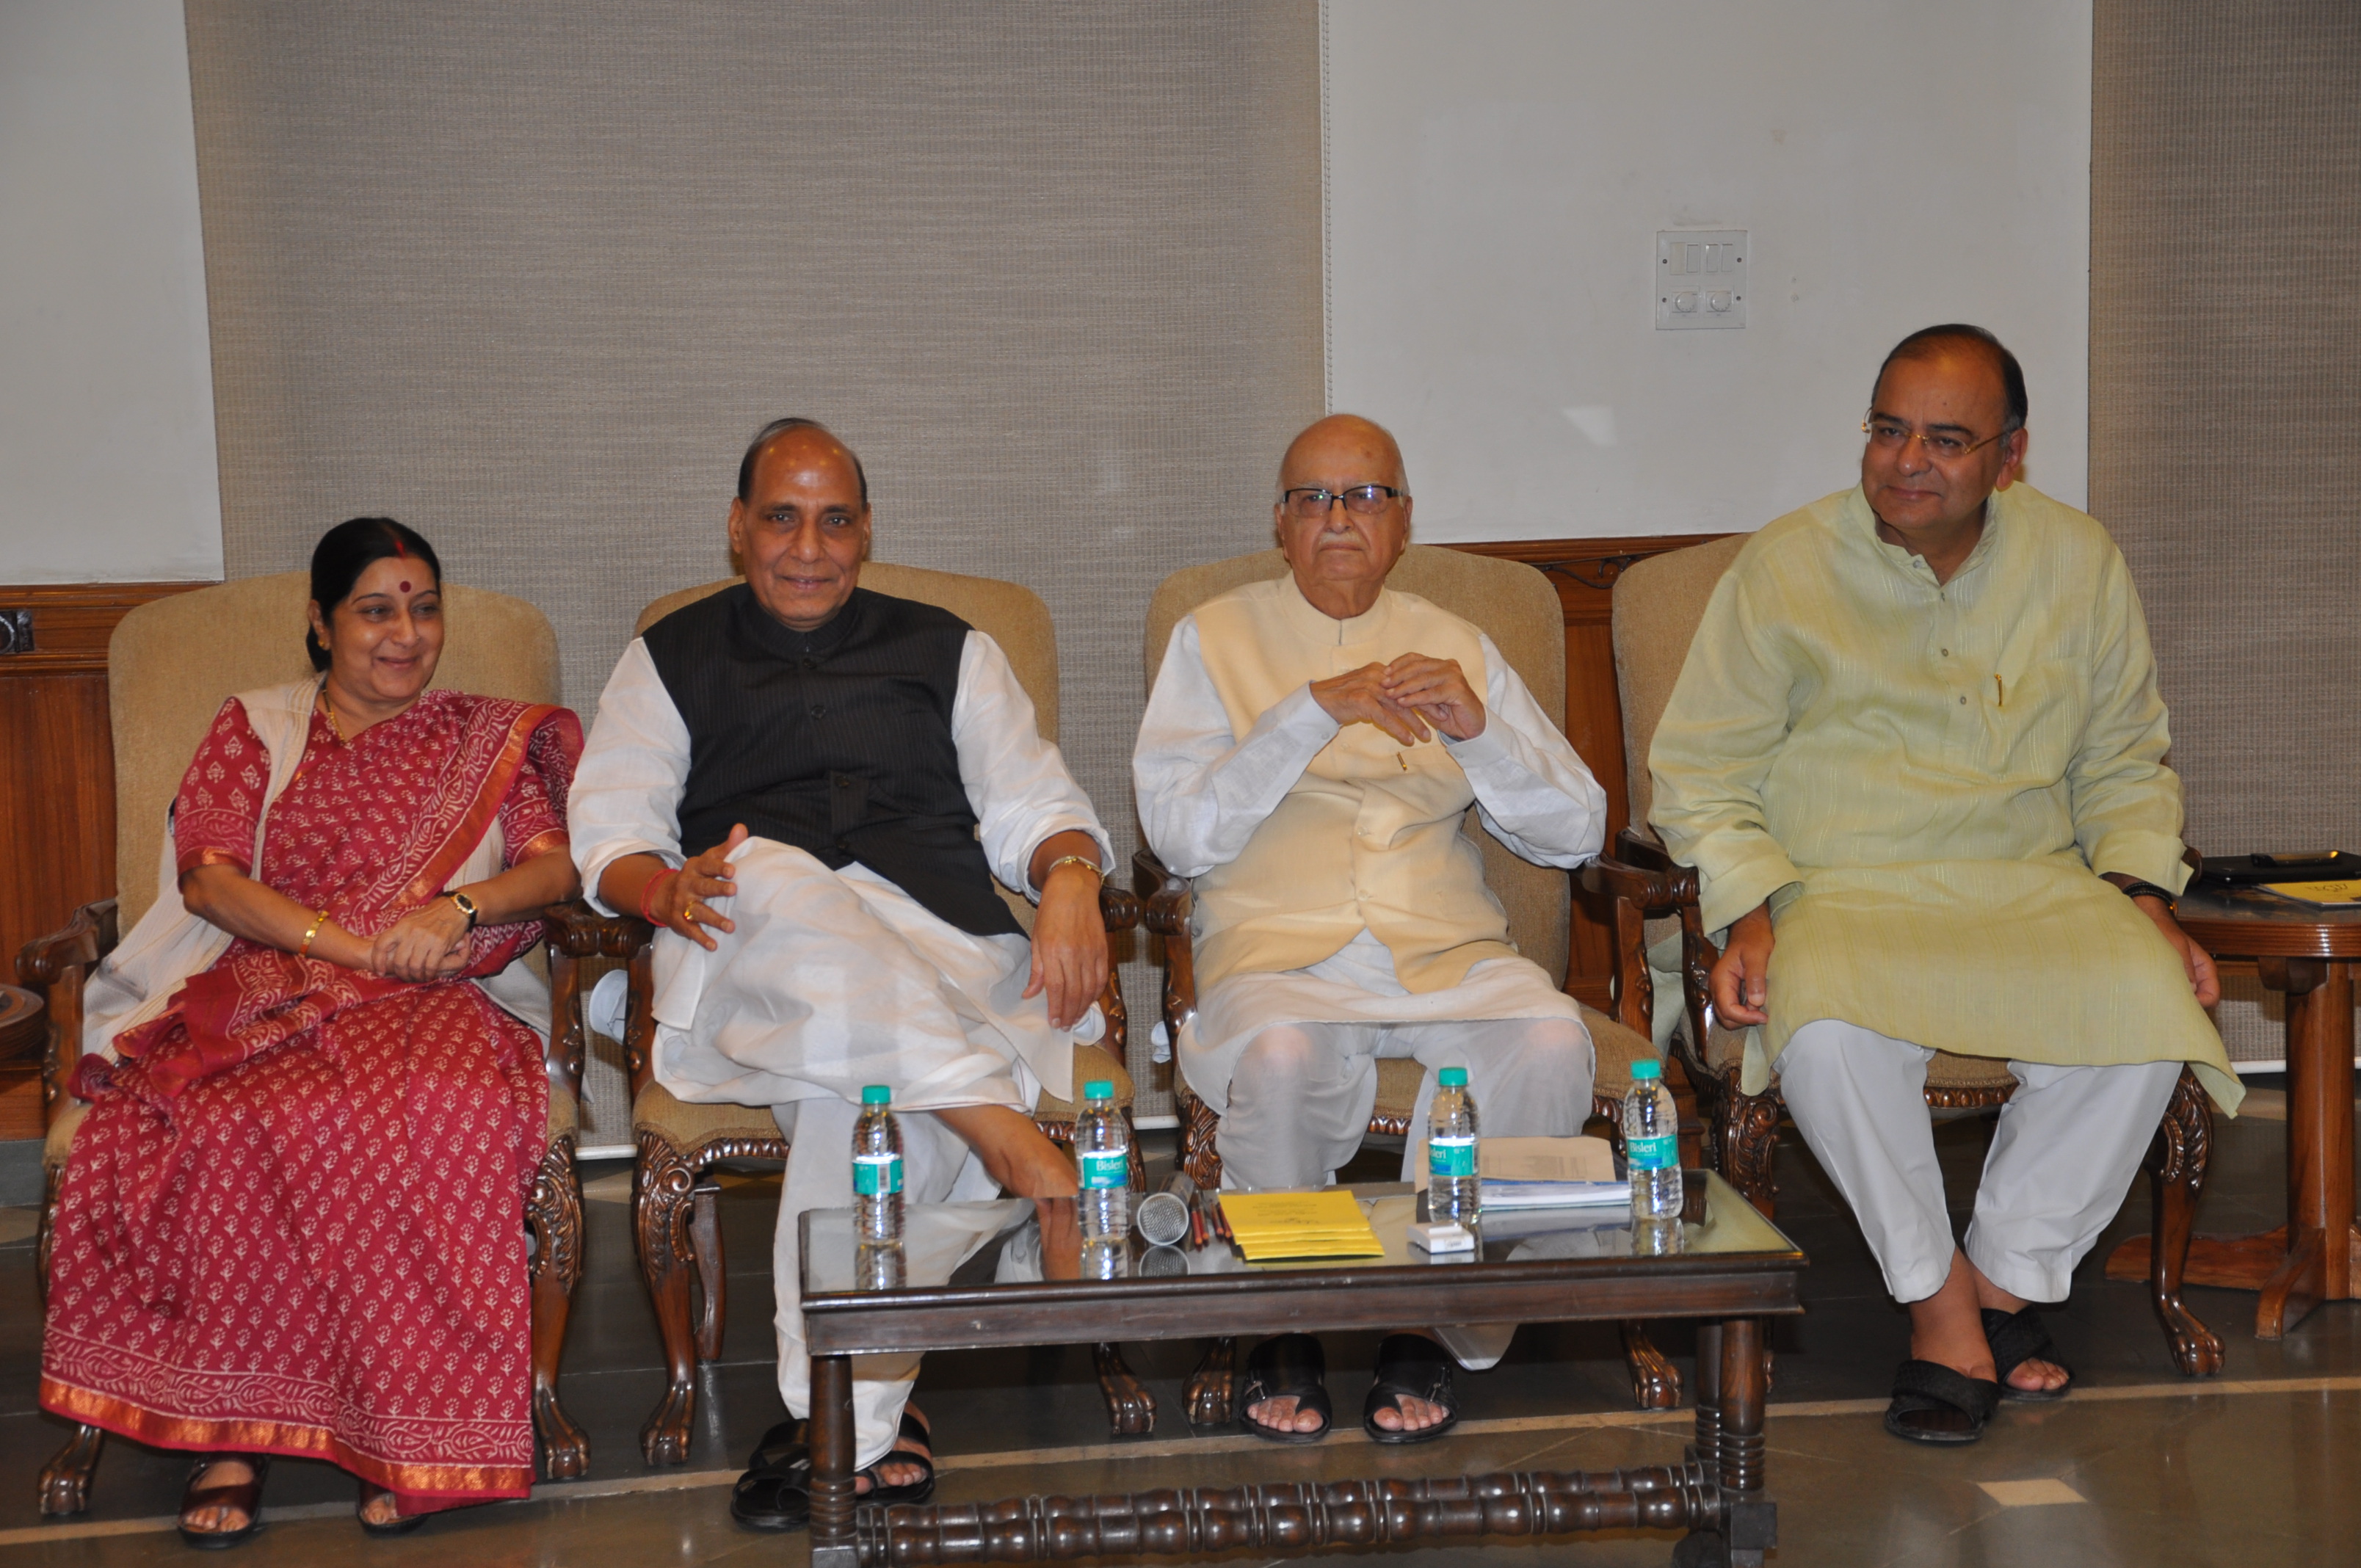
1661	1152
876	1175
1107	1167
1450	1157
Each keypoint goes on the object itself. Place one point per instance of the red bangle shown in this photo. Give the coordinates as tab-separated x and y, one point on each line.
648	893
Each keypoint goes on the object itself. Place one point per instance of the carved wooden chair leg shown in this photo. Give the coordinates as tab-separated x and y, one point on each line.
2176	1173
1655	1382
1746	1135
65	1479
705	1247
1131	1408
1211	1386
555	1216
662	1185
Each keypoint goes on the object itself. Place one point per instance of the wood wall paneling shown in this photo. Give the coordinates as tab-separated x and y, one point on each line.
57	777
1584	572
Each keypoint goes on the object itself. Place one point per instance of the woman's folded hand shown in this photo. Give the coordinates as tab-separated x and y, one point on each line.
428	943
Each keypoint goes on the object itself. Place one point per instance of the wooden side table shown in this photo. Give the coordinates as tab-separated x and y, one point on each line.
2307	955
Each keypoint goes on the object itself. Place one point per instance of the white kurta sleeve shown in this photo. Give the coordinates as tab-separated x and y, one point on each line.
1533	792
1202	791
627	788
1016	781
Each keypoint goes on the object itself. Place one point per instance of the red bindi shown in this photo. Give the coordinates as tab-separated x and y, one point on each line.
405	585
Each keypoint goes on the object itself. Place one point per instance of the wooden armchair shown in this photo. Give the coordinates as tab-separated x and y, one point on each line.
170	666
674	1205
1516	607
1658	605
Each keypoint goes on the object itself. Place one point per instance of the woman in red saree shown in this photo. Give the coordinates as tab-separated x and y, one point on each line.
294	1220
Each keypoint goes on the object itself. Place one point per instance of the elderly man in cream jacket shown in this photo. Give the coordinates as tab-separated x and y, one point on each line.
1309	752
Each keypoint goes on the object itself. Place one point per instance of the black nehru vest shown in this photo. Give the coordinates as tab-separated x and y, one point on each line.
837	741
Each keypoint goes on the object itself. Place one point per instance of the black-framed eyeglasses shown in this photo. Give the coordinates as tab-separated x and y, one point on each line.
1311	503
1943	445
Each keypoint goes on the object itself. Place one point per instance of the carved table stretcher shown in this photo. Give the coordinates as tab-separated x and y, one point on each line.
1734	1269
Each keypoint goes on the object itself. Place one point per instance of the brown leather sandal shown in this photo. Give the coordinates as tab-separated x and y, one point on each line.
246	1497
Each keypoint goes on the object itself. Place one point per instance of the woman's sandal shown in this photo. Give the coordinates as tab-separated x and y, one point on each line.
246	1497
1409	1366
2017	1338
401	1524
1286	1366
1933	1404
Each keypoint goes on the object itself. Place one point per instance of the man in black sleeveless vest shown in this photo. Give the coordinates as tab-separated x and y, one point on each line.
811	788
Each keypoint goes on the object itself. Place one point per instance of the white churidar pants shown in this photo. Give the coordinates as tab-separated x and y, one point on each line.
2069	1142
937	1168
1300	1097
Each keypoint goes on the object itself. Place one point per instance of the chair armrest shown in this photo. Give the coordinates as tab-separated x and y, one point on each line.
1165	899
1651	891
578	931
1119	907
575	932
1638	845
56	965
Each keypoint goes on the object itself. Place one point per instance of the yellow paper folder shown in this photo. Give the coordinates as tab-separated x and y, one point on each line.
1328	1223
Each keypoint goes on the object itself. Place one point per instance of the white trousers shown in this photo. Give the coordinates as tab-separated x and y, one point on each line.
1301	1094
937	1167
2069	1142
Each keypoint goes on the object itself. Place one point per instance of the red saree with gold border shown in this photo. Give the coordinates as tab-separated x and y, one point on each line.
293	1220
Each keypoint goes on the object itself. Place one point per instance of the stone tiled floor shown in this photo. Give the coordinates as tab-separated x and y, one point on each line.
2255	1467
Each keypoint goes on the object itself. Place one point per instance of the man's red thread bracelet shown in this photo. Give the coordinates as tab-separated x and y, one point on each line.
648	895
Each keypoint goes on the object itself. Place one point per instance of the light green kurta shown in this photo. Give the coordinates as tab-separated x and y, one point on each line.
1924	780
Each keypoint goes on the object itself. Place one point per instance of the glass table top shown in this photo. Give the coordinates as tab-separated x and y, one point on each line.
1020	1241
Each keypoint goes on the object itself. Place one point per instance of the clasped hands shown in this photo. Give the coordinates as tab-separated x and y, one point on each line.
1405	698
1741	978
428	943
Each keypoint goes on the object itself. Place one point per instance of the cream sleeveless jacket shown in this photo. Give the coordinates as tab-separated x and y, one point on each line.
1370	836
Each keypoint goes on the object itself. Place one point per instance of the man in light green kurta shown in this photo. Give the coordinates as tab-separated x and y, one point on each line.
1917	749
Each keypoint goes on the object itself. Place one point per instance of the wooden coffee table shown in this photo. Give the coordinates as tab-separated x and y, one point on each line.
2306	954
1735	1268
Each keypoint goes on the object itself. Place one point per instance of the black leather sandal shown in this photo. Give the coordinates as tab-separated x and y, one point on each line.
775	1492
2017	1338
246	1497
401	1524
912	1430
1285	1366
1411	1367
1933	1404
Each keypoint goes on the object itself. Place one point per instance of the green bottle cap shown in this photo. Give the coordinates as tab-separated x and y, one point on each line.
1452	1078
1099	1089
1647	1068
877	1095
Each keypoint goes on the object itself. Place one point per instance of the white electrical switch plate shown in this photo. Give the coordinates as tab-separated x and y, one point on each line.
1701	278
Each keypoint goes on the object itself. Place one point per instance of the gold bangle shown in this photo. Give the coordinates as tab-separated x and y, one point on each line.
317	921
1051	869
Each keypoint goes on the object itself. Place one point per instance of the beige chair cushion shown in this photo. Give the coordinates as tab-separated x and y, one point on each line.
1945	1071
1512	604
172	661
1090	1062
1658	604
1009	613
1618	1047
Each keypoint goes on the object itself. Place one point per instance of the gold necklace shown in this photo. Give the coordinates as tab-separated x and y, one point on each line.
330	707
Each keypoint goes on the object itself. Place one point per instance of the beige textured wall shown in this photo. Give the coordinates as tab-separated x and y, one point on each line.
2226	357
528	275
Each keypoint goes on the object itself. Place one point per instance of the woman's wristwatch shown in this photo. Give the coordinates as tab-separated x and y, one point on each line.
467	906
